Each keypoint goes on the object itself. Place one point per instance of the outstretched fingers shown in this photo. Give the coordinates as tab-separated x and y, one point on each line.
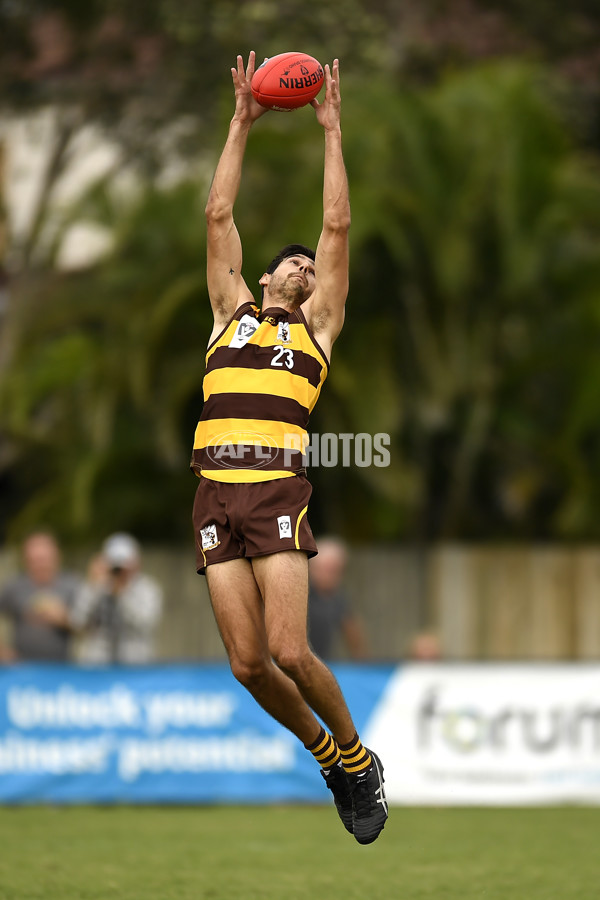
332	80
332	83
335	76
236	73
328	110
327	72
251	65
243	75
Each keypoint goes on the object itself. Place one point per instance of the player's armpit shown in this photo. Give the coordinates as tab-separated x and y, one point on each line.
325	319
326	308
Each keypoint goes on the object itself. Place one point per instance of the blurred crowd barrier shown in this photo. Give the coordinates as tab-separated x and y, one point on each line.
483	603
511	603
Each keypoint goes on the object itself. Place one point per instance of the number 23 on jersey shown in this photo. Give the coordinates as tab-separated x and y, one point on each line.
283	356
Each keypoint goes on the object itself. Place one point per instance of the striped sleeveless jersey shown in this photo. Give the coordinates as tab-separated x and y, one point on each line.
264	374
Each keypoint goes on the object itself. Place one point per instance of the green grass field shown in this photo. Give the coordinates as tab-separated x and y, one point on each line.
296	853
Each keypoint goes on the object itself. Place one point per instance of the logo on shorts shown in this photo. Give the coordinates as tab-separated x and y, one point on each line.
209	537
285	526
283	333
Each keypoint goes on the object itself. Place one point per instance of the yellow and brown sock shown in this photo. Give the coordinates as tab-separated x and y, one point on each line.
325	750
355	758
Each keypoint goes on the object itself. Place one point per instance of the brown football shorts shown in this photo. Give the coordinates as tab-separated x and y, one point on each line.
232	521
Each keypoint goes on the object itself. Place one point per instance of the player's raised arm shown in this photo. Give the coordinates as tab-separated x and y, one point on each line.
226	287
326	306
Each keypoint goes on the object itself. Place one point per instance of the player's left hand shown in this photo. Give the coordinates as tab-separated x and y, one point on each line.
328	112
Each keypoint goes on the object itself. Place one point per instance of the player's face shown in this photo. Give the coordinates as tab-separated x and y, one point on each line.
293	279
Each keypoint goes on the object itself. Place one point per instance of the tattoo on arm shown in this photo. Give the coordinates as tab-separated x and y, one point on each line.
231	272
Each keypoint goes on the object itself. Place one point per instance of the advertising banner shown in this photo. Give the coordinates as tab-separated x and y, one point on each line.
490	734
447	735
173	734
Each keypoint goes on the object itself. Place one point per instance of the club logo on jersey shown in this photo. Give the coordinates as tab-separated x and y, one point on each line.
209	537
284	335
285	526
246	328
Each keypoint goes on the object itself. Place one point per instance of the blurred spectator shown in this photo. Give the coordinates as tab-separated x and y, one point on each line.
329	611
118	608
425	647
37	603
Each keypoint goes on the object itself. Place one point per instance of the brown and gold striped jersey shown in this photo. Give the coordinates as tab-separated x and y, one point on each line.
264	373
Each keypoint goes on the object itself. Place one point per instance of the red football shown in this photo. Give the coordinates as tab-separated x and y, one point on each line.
287	81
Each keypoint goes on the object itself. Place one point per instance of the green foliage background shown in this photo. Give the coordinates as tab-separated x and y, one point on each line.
473	316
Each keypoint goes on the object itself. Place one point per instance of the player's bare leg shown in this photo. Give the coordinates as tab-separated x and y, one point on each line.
255	631
283	582
239	612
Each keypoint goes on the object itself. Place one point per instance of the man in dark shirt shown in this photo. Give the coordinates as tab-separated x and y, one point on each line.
329	612
37	604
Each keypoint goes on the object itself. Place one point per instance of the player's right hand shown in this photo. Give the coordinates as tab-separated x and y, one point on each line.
246	108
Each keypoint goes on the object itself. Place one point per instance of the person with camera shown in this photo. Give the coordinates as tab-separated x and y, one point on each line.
118	608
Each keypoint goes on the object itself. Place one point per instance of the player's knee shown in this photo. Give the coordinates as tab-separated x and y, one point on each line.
249	672
294	661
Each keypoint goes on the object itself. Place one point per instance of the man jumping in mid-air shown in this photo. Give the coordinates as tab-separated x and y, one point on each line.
264	371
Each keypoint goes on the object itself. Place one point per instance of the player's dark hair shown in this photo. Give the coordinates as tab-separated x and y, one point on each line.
287	251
